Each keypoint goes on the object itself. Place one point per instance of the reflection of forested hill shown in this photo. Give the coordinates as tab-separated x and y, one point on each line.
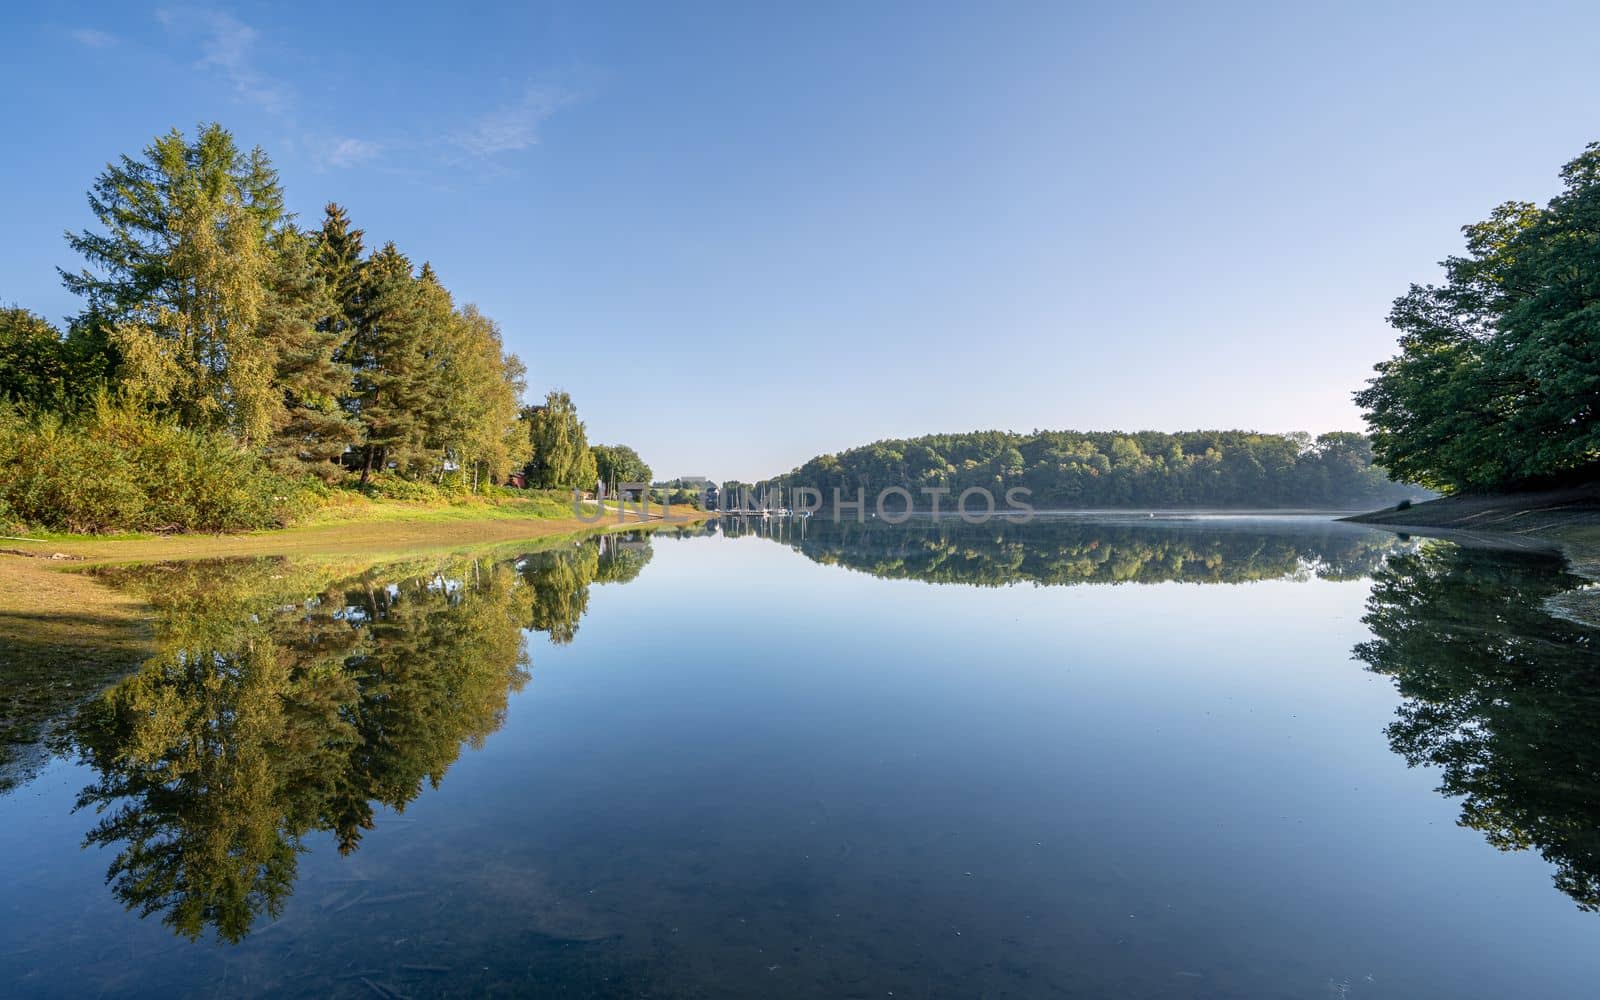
267	714
1057	551
1500	696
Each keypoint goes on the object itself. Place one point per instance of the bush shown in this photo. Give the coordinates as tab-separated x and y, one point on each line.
116	469
1403	505
314	491
10	523
384	486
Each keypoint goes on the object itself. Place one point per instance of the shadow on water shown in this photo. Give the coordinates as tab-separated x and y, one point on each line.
278	705
49	665
1500	696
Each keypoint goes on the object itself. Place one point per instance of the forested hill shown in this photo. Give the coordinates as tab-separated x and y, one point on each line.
1069	469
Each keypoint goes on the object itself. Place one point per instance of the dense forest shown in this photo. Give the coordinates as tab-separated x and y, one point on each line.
1068	469
1497	383
227	361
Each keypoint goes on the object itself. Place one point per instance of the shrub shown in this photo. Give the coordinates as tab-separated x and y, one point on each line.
1403	505
451	485
384	486
116	469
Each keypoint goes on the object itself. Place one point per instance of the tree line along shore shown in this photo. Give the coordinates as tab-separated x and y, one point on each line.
233	370
1493	400
1494	395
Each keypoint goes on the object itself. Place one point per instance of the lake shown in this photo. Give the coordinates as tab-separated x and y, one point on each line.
1145	757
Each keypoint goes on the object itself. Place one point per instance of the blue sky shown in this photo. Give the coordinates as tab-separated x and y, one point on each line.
741	235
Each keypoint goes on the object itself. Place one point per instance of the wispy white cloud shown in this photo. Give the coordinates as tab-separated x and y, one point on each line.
227	46
93	38
232	52
348	151
512	128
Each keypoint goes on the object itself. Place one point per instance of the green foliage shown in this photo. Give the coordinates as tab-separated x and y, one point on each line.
1497	383
34	372
117	468
389	357
618	463
41	370
561	457
339	252
179	279
1068	469
394	487
10	522
311	430
206	307
479	428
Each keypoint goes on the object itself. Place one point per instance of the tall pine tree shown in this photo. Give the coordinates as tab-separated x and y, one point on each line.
311	430
387	353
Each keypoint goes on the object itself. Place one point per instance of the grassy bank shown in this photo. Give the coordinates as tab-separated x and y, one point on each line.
350	523
39	594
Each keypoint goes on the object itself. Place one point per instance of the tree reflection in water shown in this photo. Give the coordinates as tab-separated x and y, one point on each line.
1499	695
266	716
1063	551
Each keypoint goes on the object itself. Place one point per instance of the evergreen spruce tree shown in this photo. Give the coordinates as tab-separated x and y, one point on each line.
444	393
387	353
33	363
311	430
338	255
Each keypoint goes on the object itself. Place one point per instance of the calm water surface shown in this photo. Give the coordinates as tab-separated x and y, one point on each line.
1210	758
